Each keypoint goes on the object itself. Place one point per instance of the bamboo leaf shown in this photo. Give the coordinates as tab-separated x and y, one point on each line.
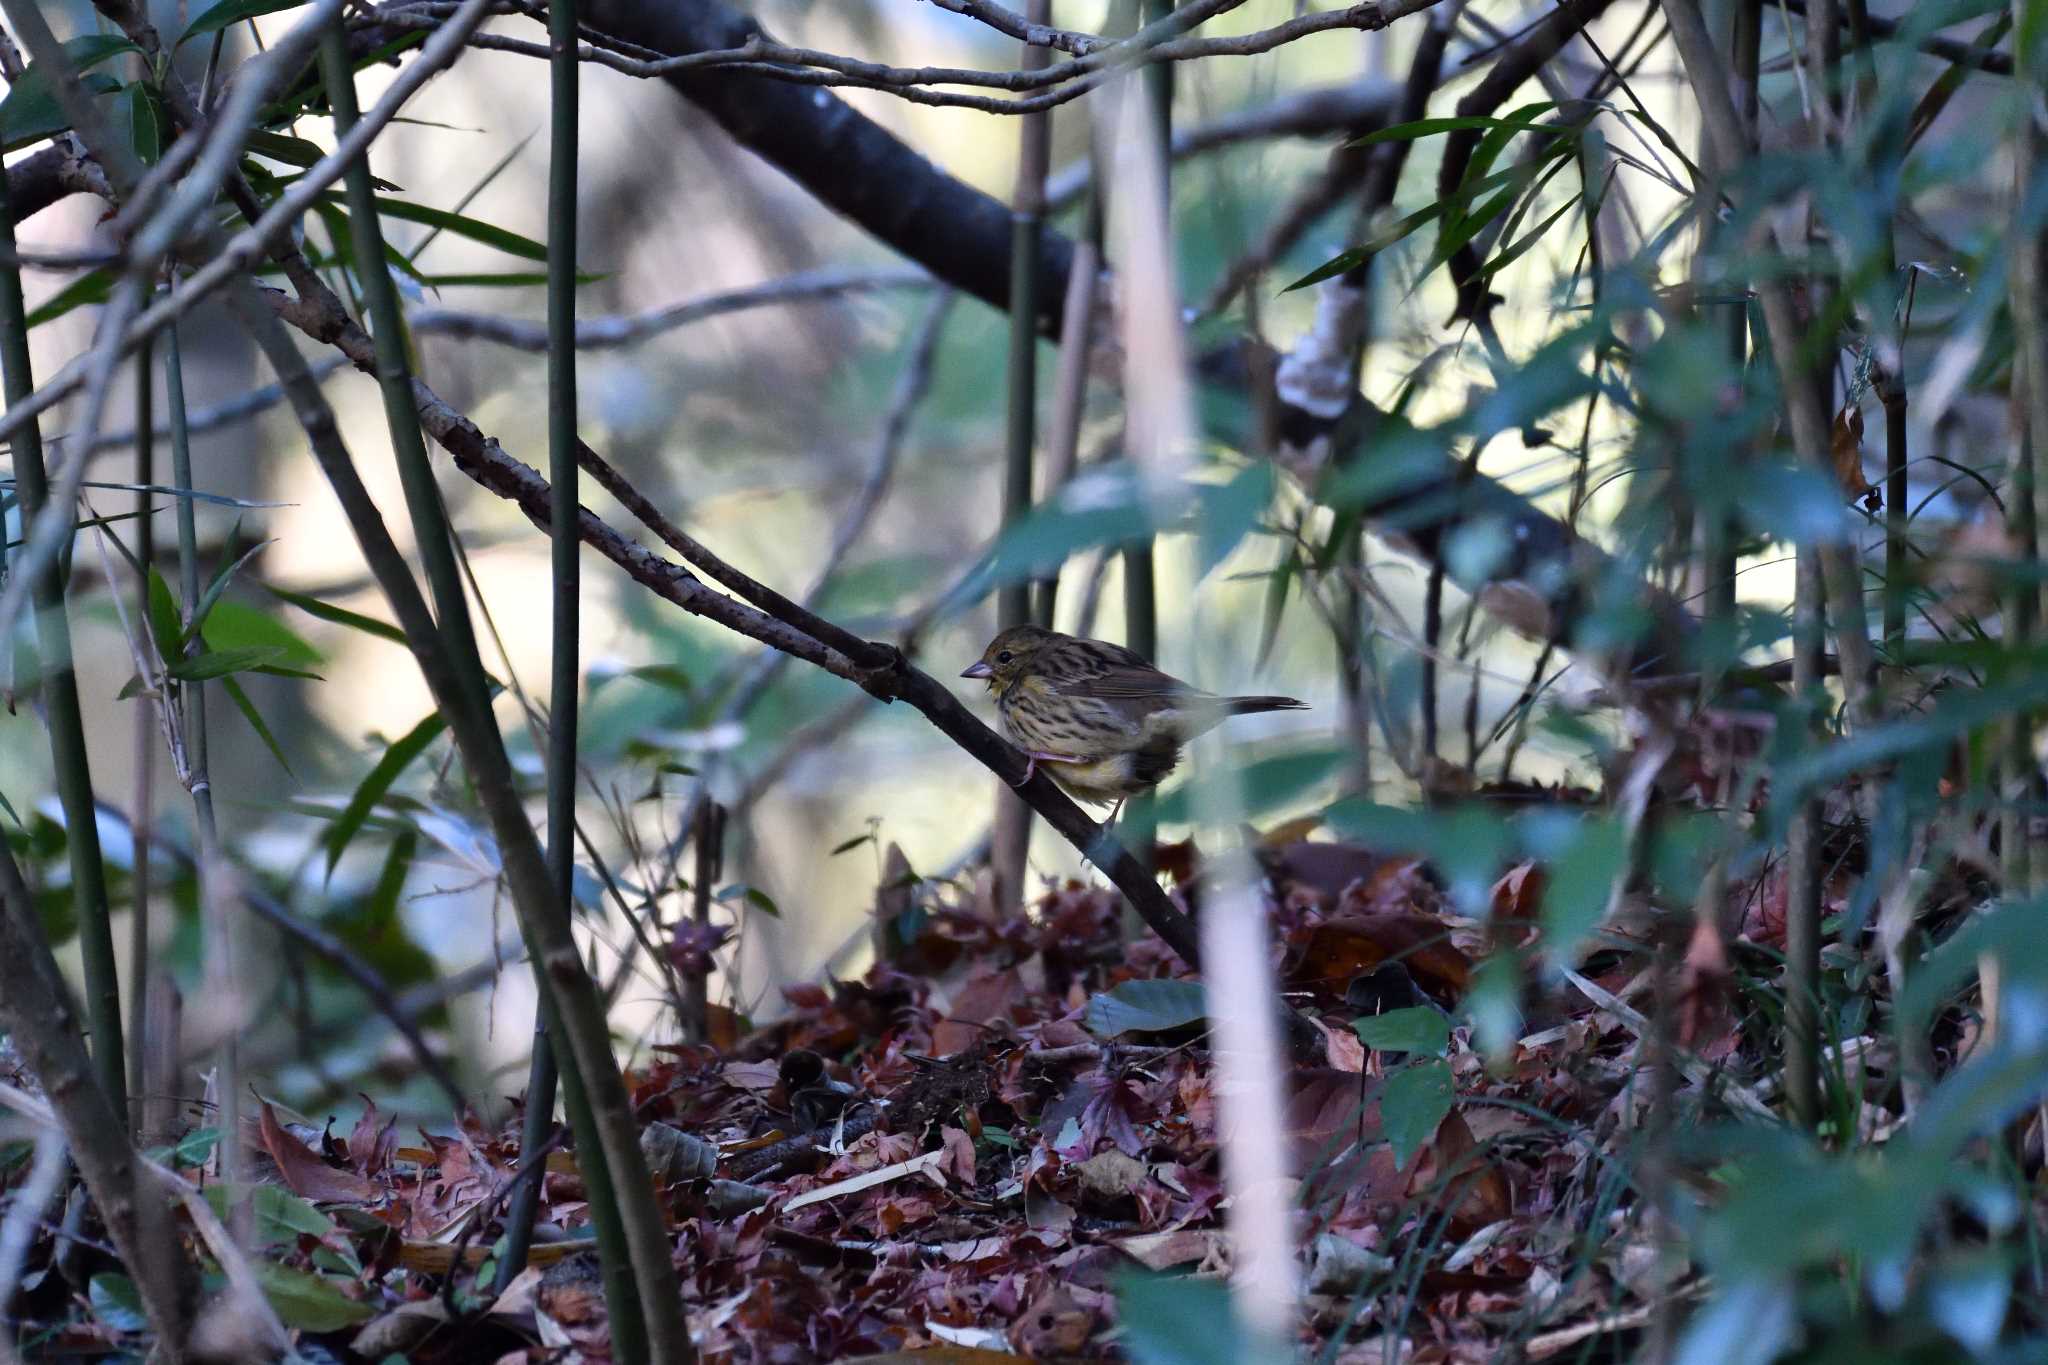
397	758
31	113
256	722
509	242
230	12
340	616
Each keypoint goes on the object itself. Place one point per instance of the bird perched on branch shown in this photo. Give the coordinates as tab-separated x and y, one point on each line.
1107	725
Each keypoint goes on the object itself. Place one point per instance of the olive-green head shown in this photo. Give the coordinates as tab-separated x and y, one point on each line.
1009	657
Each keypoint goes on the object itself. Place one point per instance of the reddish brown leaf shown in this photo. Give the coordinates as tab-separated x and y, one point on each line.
305	1174
1845	450
1347	946
371	1145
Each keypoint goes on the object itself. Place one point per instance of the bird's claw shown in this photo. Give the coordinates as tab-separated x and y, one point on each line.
1034	757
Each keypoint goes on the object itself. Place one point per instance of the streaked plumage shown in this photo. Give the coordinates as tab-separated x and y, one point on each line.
1106	724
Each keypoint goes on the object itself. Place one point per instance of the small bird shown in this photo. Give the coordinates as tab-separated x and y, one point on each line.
1107	725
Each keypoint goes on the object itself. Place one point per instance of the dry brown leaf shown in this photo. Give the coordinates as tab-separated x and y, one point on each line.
305	1174
1845	450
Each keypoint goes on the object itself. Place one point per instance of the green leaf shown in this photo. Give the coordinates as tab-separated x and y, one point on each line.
380	912
296	151
506	279
211	596
509	242
280	1216
1397	231
372	788
146	122
255	718
229	12
1416	1029
752	895
340	616
309	1302
1266	783
218	663
1414	1101
31	113
117	1304
235	625
196	1147
1429	127
1579	885
92	288
166	623
851	844
1513	252
1178	1320
1226	513
1150	1006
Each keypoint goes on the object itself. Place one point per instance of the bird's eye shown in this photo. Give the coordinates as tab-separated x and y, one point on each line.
1003	657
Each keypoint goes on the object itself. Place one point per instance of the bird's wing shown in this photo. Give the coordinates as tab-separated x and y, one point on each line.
1157	703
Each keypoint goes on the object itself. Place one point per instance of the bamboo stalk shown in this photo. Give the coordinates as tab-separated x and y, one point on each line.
1809	629
1141	599
144	825
58	682
639	1279
2028	280
564	653
194	770
1011	844
1718	534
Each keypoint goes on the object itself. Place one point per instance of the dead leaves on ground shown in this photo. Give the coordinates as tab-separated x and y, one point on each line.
948	1163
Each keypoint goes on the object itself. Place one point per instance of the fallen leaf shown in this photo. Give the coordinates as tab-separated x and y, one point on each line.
305	1174
1845	450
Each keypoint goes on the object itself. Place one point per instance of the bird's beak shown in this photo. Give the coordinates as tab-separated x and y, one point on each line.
978	669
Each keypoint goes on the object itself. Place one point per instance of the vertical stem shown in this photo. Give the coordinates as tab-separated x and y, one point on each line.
221	965
632	1244
144	822
1802	866
709	840
709	844
565	660
1011	846
1803	854
1141	592
2028	278
1354	644
58	682
1069	395
1718	534
1141	603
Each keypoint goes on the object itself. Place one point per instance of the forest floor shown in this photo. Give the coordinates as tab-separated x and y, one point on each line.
1004	1140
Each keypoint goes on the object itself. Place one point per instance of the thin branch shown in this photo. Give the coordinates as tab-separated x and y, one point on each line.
630	329
1354	107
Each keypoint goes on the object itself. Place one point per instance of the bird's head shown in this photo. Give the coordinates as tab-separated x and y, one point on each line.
1008	657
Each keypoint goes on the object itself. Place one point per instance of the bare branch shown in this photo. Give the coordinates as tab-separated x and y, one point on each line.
630	329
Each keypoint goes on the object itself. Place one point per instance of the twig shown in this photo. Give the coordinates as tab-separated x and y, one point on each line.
1352	108
631	329
18	1230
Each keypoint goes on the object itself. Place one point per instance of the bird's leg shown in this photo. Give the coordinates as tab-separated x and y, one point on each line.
1038	756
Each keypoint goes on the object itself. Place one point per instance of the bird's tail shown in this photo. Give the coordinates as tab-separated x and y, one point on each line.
1245	706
